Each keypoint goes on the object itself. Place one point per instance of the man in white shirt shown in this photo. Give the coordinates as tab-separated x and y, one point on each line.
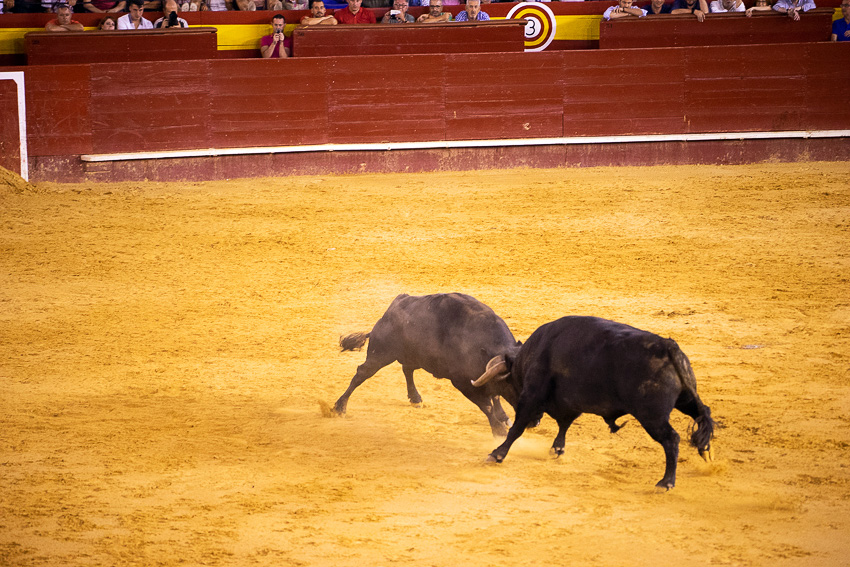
727	6
134	20
623	10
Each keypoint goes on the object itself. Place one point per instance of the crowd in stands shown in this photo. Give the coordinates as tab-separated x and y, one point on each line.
278	45
699	8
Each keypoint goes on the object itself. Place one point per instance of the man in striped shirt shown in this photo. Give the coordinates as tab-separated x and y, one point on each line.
473	13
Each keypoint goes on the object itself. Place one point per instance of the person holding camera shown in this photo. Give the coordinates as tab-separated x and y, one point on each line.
276	45
169	17
398	14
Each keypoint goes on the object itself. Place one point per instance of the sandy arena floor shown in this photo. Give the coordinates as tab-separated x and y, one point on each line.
164	349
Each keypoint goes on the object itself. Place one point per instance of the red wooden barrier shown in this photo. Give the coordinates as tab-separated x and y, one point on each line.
717	29
10	144
52	48
137	107
365	39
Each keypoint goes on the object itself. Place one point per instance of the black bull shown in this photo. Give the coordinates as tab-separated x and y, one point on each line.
449	335
581	365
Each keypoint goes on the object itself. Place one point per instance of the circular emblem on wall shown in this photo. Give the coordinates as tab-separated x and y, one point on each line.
540	24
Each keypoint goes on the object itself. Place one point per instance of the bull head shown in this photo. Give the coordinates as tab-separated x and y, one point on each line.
497	369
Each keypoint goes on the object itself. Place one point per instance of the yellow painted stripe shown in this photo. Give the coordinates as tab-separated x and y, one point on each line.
12	39
576	27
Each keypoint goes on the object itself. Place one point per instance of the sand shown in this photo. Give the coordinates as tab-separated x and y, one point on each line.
164	350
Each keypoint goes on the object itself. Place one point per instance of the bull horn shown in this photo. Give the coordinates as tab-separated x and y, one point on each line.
496	368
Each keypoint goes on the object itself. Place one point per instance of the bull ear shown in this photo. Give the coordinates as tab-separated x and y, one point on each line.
509	362
496	369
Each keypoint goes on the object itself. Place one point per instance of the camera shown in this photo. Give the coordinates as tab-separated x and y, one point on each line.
172	20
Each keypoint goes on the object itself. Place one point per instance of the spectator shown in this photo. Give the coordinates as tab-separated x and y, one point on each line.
276	45
25	7
793	7
719	6
134	20
759	6
435	14
623	10
377	3
49	6
658	7
294	5
473	13
107	24
840	29
105	6
169	17
220	5
318	15
354	14
63	21
398	14
696	7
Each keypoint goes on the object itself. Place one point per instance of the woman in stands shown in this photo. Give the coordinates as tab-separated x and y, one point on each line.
107	24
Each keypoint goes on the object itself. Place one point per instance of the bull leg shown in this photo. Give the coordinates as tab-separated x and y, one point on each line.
504	418
527	411
364	372
412	392
564	423
485	403
661	431
611	421
500	411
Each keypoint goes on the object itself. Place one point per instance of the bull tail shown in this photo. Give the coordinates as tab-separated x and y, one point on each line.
690	404
354	341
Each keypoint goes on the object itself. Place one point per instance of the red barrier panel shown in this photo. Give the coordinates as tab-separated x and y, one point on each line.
147	106
10	143
261	102
58	119
507	96
717	29
142	107
366	39
617	92
54	48
386	99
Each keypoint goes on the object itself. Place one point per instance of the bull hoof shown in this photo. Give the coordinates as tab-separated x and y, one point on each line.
418	404
707	454
328	411
556	452
664	485
491	458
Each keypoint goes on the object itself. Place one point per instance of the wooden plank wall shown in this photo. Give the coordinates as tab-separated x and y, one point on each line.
51	48
137	107
494	36
10	144
717	29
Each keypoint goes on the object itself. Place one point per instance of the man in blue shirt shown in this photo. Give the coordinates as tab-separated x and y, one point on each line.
840	29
